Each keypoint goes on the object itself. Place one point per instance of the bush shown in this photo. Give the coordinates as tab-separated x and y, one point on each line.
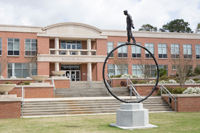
134	81
164	78
8	82
142	82
117	76
197	70
196	79
178	90
159	91
26	83
118	85
123	83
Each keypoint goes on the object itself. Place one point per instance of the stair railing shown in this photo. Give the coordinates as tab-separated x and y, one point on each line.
89	79
109	79
132	88
54	89
169	95
22	103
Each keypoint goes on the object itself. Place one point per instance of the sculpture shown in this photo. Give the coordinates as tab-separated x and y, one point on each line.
129	23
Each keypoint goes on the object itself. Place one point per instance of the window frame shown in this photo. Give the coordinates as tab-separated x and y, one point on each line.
175	55
0	46
135	48
112	45
147	55
187	56
198	51
161	55
13	43
30	45
123	54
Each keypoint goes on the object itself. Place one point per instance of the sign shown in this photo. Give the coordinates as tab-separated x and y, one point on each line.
73	58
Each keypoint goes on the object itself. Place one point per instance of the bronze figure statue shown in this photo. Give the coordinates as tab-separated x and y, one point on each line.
129	23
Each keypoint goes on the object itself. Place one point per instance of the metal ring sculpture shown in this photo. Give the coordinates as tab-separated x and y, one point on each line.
104	74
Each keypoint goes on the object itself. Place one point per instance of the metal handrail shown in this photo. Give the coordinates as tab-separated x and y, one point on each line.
132	89
90	80
170	95
22	103
108	78
54	89
69	80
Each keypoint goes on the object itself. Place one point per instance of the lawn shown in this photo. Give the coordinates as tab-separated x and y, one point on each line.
166	122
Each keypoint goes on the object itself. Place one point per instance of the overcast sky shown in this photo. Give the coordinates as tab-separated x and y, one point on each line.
103	14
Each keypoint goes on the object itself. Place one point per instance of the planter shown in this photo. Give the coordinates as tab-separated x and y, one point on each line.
5	88
58	73
39	78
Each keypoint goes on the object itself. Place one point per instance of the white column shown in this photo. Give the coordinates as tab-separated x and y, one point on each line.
57	46
56	66
89	70
89	46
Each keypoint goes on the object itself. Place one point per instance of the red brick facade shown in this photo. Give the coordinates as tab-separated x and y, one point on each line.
11	109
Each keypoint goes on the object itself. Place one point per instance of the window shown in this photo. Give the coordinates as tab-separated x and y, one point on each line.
122	51
0	46
110	48
137	70
150	70
174	50
163	67
136	51
13	46
150	47
31	47
197	48
20	70
70	45
114	69
111	69
162	50
187	51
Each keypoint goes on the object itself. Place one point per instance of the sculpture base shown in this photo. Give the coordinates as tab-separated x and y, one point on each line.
132	116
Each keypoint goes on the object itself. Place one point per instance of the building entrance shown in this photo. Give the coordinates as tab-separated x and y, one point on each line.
72	71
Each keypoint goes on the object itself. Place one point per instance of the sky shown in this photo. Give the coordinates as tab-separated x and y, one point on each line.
103	14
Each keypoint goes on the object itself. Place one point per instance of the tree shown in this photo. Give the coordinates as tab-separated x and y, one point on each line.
198	28
182	65
177	25
3	63
148	27
31	63
121	63
162	72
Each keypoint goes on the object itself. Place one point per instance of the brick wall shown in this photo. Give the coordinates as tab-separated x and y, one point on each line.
62	84
34	92
185	102
10	109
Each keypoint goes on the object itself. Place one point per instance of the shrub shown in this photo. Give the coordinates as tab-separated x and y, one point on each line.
168	88
197	70
196	79
26	83
118	85
152	82
190	81
117	76
178	90
192	90
123	83
134	81
142	82
126	76
164	78
8	82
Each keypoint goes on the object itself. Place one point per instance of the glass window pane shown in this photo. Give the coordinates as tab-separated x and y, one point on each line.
68	46
10	46
16	46
9	73
73	46
34	72
27	46
25	73
18	73
63	46
16	40
18	65
34	46
79	46
10	39
27	40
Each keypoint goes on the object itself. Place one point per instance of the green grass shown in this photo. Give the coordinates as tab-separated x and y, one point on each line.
166	122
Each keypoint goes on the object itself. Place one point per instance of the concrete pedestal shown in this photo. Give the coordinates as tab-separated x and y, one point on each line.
132	116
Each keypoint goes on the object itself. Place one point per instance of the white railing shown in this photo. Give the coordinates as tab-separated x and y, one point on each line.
169	94
89	79
109	79
22	103
132	89
72	52
54	89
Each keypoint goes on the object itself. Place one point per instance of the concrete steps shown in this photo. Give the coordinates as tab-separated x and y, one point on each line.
85	106
84	89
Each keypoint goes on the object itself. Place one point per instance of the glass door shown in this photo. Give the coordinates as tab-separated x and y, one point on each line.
74	74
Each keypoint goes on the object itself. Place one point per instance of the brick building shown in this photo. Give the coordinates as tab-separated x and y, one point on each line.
80	50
